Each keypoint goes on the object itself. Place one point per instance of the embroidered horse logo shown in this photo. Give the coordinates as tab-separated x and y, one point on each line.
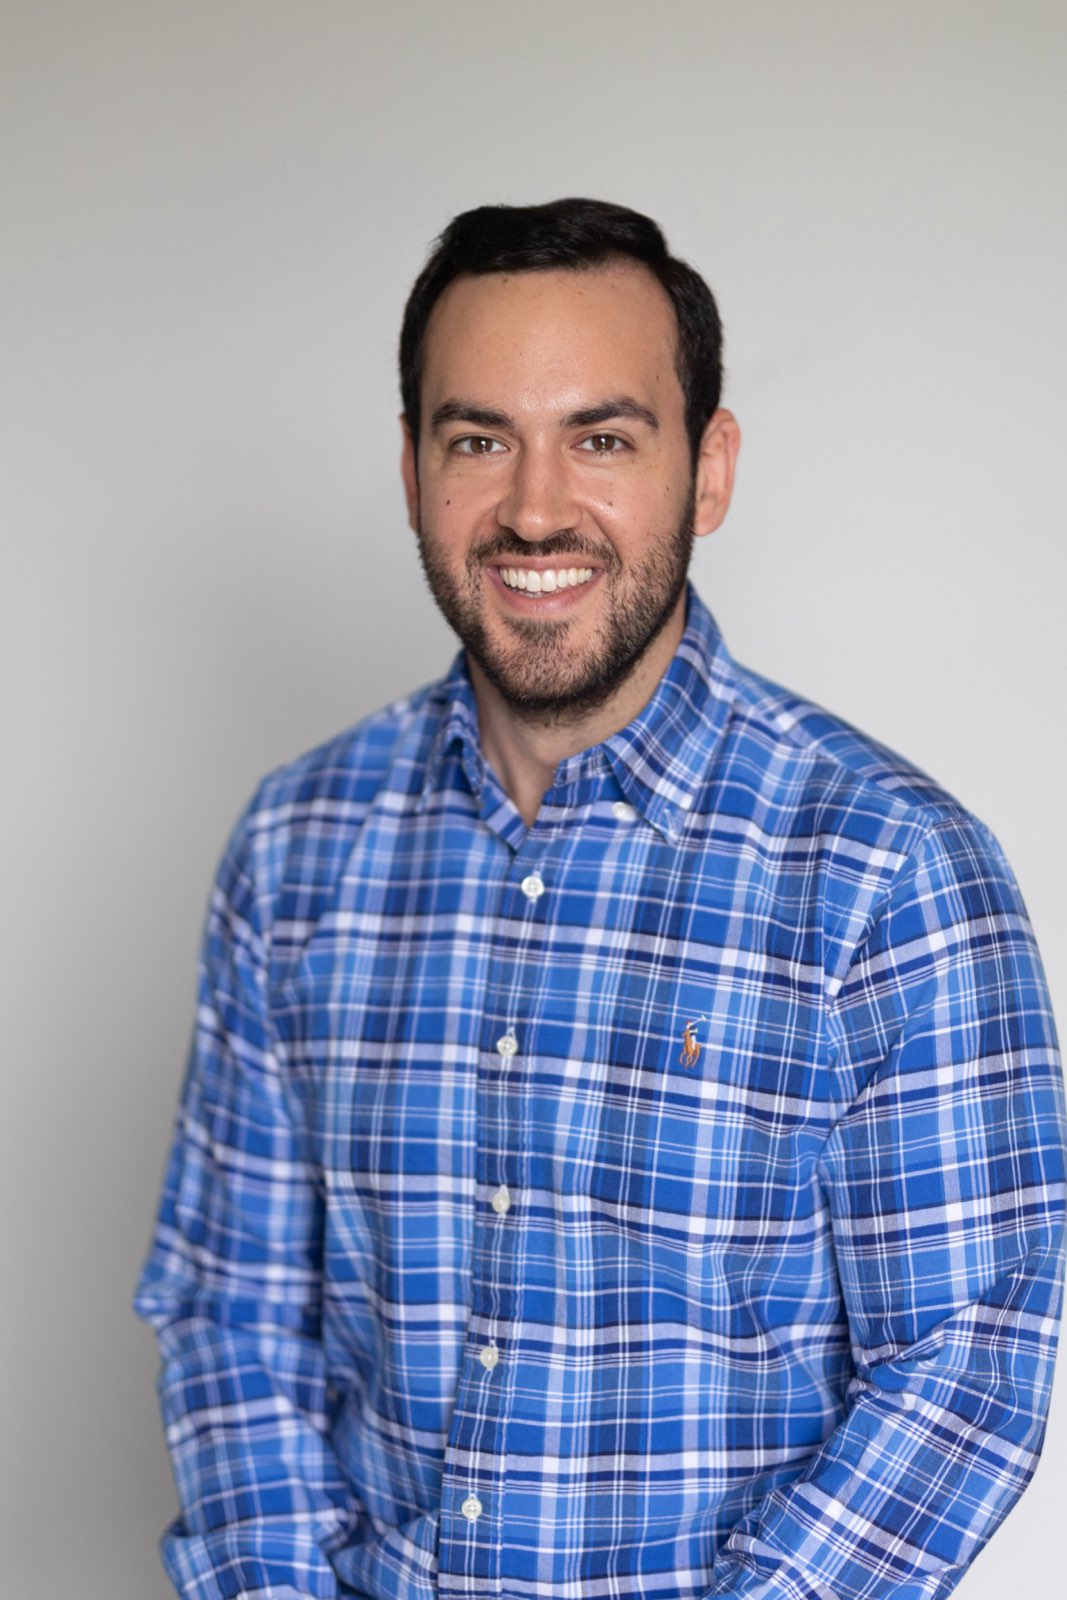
690	1046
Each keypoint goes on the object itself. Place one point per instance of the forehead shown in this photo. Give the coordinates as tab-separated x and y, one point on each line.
611	328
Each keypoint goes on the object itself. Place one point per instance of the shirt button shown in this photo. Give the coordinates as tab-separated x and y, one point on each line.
622	811
489	1357
507	1044
471	1508
501	1201
533	886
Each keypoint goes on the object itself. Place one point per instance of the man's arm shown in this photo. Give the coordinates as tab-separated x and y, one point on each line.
945	1179
232	1288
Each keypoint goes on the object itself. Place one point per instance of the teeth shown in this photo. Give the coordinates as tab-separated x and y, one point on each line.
535	582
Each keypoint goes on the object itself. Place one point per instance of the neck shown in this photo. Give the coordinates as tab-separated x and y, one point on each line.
525	750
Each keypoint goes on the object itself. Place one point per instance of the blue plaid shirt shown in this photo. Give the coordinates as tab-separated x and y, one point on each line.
662	1200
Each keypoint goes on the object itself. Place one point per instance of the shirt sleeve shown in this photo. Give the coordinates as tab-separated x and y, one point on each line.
944	1175
232	1288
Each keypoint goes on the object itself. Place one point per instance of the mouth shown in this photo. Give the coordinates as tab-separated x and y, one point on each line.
544	580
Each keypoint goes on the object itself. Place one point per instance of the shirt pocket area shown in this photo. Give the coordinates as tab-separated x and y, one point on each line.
690	1174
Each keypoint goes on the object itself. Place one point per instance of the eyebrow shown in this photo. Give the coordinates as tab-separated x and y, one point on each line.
588	417
619	406
469	411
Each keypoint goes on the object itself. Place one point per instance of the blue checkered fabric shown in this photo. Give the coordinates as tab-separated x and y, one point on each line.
663	1200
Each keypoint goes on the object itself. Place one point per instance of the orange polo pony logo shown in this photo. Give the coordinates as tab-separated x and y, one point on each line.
690	1046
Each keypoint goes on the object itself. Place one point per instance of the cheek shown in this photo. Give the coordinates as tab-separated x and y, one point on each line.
628	508
458	497
455	518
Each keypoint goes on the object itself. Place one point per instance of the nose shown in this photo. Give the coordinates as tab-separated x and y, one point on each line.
538	501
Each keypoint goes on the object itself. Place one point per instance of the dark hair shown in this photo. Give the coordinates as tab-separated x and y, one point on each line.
569	234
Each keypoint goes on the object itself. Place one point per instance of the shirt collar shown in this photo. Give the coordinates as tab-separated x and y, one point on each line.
659	759
458	730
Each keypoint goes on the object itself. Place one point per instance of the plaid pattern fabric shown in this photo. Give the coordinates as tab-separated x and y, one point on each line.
663	1200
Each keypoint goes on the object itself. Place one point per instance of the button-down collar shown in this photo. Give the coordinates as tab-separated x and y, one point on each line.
658	760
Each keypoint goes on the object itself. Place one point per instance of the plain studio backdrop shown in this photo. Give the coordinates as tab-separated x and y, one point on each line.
212	214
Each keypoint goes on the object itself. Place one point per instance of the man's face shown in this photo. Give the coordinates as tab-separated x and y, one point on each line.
554	499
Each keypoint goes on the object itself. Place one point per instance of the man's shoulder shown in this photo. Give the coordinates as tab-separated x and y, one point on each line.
821	755
351	766
315	803
841	809
802	768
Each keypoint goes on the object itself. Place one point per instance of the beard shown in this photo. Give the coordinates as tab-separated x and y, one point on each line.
538	670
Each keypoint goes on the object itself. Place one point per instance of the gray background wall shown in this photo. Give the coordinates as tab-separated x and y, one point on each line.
211	214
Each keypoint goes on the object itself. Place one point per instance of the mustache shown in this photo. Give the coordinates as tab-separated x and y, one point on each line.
564	543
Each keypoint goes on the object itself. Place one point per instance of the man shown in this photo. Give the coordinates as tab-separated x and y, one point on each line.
622	1150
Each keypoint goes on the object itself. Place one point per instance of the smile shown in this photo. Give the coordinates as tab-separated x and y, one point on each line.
548	582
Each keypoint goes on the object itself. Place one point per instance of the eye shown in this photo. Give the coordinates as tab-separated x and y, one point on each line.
604	444
476	444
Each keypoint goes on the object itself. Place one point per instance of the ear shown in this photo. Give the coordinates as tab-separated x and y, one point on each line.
410	475
716	460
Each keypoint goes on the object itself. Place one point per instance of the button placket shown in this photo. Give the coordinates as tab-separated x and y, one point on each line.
495	1294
